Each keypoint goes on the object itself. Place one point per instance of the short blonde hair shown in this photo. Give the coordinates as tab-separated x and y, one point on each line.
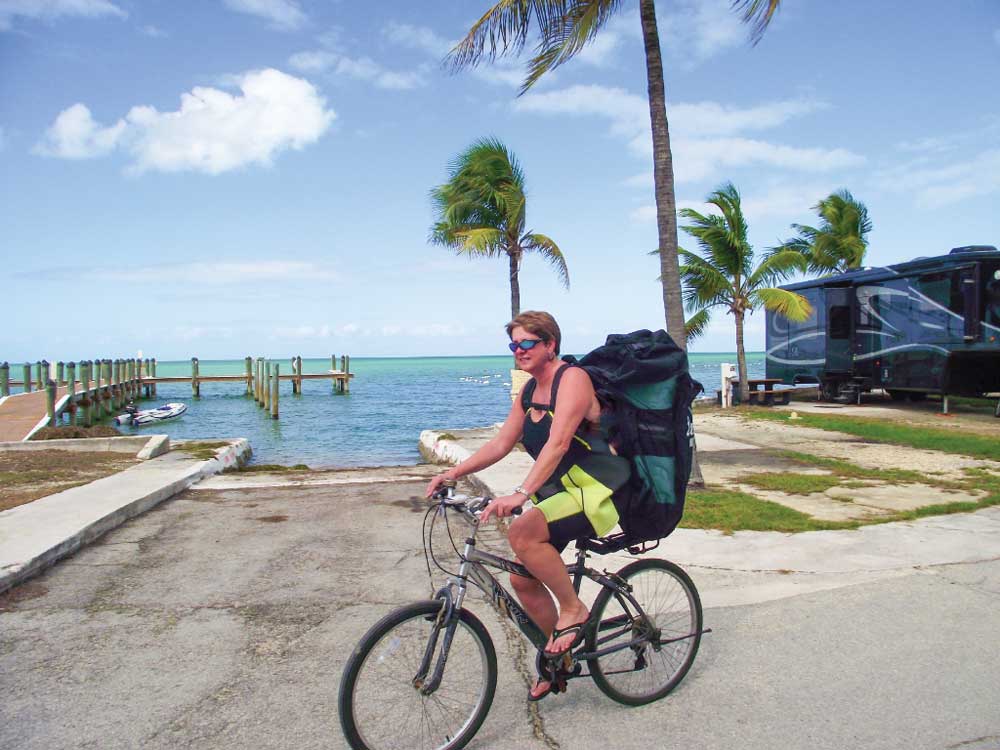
540	324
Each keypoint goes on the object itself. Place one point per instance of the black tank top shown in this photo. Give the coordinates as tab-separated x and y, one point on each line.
588	449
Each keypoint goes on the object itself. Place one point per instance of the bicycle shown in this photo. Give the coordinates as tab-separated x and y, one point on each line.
642	636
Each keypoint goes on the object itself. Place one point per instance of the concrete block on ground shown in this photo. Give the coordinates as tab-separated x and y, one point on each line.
125	444
157	445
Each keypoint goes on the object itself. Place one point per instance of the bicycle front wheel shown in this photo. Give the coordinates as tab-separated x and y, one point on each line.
381	707
664	637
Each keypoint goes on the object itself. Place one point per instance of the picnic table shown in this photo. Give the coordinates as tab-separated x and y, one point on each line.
761	392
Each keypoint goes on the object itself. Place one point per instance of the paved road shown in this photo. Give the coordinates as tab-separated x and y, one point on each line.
222	619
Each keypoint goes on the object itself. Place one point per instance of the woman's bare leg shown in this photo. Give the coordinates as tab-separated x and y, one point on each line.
529	538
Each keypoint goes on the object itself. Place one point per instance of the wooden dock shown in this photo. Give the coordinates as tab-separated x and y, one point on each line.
105	386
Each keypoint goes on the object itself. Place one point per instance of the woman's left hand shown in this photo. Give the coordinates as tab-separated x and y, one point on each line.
502	507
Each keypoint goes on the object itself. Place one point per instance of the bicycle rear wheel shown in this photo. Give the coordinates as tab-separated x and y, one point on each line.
381	708
668	635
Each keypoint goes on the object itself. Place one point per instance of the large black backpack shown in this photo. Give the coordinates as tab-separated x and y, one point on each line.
642	382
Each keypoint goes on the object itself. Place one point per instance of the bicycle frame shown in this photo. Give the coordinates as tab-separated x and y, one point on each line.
474	562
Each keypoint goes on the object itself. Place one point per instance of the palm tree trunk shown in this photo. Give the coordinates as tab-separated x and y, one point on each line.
741	361
663	177
515	288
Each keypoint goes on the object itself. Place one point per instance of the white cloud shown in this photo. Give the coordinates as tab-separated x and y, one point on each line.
153	31
75	135
49	10
317	61
303	332
712	118
224	273
283	14
362	69
793	202
419	38
600	51
213	131
699	159
504	71
938	186
693	31
699	151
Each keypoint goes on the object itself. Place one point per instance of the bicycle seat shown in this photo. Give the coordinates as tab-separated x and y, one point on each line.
615	543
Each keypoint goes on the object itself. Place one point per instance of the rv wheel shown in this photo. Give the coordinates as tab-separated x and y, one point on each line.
829	389
897	395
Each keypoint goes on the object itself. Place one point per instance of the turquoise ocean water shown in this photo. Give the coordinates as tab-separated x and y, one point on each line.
378	423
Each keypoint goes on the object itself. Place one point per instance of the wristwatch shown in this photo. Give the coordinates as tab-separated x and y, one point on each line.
520	490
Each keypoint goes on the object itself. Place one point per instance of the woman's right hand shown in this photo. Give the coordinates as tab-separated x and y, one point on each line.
436	483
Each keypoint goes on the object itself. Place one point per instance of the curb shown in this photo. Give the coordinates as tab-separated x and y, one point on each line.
13	573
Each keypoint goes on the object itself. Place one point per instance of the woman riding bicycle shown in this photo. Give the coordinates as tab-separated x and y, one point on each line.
571	482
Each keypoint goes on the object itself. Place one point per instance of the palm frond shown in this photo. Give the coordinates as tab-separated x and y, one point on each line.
695	325
757	13
544	246
564	27
485	242
704	283
777	266
788	304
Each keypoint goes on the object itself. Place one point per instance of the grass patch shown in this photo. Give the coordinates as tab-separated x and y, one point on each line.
847	470
275	468
729	511
881	431
204	450
792	484
65	432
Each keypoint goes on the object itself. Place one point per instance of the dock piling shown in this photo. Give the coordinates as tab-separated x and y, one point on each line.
195	385
50	401
71	384
4	380
88	414
249	367
60	373
274	393
267	384
26	380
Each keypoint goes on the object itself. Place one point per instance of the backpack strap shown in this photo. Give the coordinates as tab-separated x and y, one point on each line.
529	391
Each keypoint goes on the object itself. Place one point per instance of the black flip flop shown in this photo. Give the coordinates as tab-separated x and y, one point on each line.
579	628
552	688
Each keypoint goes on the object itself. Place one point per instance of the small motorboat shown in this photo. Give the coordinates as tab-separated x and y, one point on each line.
140	417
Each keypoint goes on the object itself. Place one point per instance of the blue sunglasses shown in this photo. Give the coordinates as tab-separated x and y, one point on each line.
525	345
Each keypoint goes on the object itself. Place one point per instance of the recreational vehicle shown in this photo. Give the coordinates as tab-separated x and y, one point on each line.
930	325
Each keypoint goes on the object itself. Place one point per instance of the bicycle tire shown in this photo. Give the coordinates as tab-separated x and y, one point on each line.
643	674
378	704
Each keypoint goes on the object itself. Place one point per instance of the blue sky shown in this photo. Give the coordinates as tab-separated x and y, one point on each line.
229	177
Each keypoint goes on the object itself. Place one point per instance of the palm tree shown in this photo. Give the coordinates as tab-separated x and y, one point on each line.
724	274
840	242
564	28
481	213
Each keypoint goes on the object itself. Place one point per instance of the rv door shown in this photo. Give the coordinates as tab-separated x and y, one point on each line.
838	330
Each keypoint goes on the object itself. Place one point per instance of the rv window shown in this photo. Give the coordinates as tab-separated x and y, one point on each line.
840	322
991	294
944	288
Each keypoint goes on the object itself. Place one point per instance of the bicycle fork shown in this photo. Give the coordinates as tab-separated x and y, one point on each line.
447	620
